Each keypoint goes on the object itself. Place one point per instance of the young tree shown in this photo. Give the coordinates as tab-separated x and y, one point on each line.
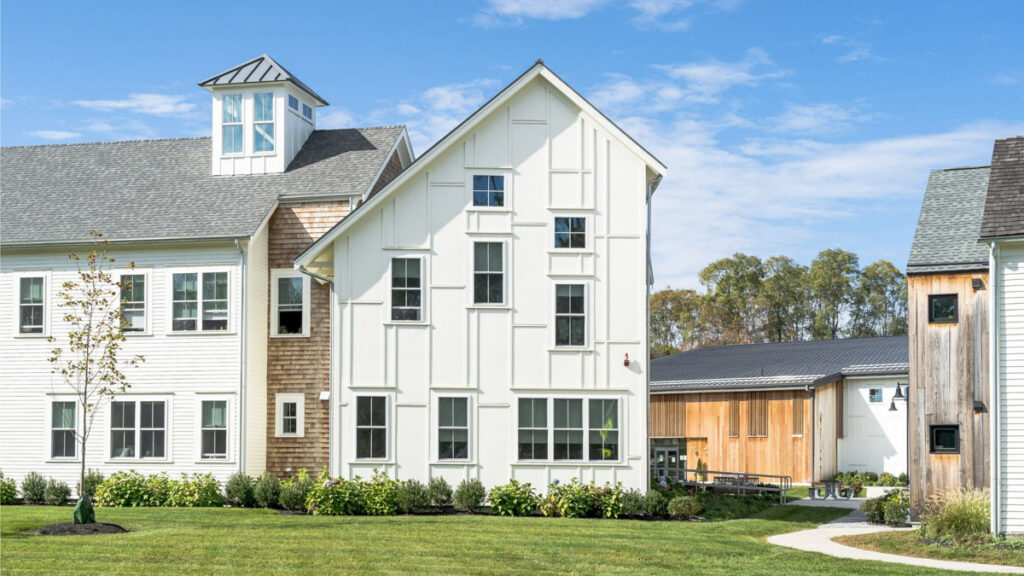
879	302
674	321
90	365
731	303
831	280
783	299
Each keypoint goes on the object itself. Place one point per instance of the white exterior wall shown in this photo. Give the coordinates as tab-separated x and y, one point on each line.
254	396
875	439
291	130
556	161
1009	326
180	368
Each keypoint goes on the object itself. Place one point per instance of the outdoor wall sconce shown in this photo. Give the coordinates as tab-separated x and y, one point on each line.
979	407
899	392
977	284
892	405
626	361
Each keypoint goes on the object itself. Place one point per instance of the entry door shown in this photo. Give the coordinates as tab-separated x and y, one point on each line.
666	463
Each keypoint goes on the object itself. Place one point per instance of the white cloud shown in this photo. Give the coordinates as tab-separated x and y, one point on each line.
855	55
335	118
155	104
6	102
512	12
831	39
705	80
100	127
434	112
816	118
54	134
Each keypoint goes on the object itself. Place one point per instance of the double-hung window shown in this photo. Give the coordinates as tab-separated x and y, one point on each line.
122	429
214	430
62	429
604	429
533	429
231	124
453	428
570	315
189	292
152	429
138	429
31	305
133	302
488	273
568	429
570	232
406	289
263	122
290	302
489	191
371	427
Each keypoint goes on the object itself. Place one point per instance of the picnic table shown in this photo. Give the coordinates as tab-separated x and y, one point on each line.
830	488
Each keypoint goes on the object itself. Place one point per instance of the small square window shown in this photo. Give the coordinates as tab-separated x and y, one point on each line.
942	309
293	102
489	191
875	395
571	232
945	439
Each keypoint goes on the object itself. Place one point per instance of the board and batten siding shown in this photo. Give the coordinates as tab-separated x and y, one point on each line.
949	372
556	161
1010	337
875	439
180	368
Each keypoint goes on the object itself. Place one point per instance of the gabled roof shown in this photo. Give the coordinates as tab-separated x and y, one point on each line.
1004	207
537	70
260	70
947	229
164	190
779	365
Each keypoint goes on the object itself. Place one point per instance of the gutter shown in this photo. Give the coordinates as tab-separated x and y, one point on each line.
993	387
84	242
243	413
331	372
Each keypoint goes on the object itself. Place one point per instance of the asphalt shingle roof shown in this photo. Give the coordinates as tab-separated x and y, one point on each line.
779	364
260	70
950	221
164	189
1004	208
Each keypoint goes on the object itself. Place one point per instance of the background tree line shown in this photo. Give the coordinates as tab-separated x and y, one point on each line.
748	300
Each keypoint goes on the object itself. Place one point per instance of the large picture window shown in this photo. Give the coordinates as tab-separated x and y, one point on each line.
187	294
570	315
488	273
453	428
406	289
133	302
214	431
31	305
263	122
62	429
231	124
580	429
371	427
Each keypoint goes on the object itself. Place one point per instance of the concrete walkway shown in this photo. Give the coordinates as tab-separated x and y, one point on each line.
855	523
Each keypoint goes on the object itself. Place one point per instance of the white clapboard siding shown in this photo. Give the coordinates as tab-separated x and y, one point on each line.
180	368
1010	304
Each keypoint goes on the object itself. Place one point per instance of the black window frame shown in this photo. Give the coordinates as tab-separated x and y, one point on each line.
933	449
931	309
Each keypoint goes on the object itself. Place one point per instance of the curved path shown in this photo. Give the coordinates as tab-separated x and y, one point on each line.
820	540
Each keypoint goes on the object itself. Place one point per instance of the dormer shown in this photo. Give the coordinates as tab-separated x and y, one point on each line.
262	115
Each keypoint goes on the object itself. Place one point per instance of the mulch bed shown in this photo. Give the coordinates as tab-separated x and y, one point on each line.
72	529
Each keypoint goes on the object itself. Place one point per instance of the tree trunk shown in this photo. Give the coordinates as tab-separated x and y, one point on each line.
81	476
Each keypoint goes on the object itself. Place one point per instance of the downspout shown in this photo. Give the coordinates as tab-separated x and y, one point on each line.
243	413
652	185
814	421
993	386
330	371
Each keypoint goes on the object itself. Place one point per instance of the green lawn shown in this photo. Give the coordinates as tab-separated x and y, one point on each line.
234	541
909	544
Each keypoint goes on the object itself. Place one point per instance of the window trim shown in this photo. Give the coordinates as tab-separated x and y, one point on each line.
45	275
588	237
504	273
437	429
275	275
931	439
197	424
48	426
272	122
387	426
147	302
587	317
137	400
507	205
881	395
299	399
424	283
200	270
956	309
241	123
585	461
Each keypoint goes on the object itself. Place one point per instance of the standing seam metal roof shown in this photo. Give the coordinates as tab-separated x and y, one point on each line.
261	69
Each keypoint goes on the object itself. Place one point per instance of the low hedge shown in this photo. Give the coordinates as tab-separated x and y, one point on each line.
131	490
8	490
891	508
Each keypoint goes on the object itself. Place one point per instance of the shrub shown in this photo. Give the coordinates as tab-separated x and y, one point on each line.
897	506
335	496
609	500
295	491
412	496
124	489
158	490
33	488
8	490
198	490
632	502
240	490
267	491
470	495
440	492
381	495
685	506
962	517
874	509
655	504
513	499
92	480
57	492
572	500
903	480
888	480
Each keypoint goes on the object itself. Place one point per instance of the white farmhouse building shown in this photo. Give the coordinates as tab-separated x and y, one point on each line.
490	302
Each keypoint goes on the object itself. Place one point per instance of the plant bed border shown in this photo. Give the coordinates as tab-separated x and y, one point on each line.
72	529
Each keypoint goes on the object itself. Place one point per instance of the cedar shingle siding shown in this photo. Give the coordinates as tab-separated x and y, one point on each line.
1004	207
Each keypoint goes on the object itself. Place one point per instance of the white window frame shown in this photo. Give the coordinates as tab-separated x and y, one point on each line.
588	234
588	316
45	275
505	260
507	200
586	398
276	275
199	300
306	107
356	427
137	400
272	122
584	432
231	424
147	307
241	123
293	98
424	283
48	421
468	427
881	395
297	398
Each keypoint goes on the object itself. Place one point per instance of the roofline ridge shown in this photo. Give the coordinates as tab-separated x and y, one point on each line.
788	342
955	168
105	142
360	128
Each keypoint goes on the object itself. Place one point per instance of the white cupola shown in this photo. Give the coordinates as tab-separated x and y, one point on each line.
262	115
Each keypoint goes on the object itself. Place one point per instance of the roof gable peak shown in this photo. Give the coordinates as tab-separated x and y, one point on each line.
259	70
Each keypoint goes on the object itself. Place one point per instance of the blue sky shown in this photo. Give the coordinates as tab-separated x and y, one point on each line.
787	127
